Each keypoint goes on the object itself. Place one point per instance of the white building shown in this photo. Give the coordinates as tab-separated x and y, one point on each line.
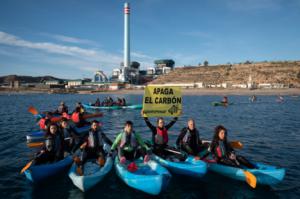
100	77
239	86
76	82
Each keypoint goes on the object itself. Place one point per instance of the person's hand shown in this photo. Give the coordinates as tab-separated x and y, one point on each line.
123	160
232	156
146	158
83	145
142	112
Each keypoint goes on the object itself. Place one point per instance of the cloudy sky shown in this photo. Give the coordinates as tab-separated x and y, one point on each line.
74	38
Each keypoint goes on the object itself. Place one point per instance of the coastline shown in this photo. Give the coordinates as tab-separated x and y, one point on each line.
202	91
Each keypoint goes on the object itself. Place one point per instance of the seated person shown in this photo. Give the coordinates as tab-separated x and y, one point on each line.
223	153
77	118
130	145
189	140
62	108
93	146
70	137
160	135
53	147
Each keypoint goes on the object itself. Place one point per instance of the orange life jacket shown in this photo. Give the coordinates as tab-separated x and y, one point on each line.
42	123
75	117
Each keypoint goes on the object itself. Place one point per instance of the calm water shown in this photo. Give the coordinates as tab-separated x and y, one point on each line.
270	133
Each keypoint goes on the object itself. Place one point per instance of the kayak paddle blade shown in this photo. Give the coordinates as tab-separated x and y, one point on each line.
250	179
26	167
33	110
236	144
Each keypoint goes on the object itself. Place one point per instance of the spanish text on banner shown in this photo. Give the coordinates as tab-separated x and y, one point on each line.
161	101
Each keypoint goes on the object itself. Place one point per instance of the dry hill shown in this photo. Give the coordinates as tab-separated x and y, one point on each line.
287	73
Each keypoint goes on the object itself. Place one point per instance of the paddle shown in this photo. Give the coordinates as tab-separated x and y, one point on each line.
26	166
35	144
29	163
236	144
33	110
233	144
250	178
39	144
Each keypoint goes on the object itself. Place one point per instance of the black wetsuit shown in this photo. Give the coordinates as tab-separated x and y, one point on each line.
190	143
94	147
224	157
53	149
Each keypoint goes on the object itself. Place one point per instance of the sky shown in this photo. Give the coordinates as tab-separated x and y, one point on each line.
74	38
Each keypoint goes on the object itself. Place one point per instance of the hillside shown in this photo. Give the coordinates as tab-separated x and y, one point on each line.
26	79
287	73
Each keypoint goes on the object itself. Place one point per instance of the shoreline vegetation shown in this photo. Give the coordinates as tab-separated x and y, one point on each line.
189	91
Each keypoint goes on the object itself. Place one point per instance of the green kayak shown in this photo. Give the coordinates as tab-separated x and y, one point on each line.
220	104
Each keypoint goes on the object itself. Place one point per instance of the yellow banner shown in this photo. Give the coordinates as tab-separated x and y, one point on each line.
162	101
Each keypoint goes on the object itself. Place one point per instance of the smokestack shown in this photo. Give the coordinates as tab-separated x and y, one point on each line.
126	42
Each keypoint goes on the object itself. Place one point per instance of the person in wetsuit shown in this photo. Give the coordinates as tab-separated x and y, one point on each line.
70	136
223	153
53	147
160	135
189	139
93	146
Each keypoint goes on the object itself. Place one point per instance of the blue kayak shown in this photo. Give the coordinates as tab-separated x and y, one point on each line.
37	173
189	167
265	174
150	177
115	107
93	174
40	134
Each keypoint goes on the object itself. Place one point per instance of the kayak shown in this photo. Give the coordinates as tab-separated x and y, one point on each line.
220	104
149	177
265	174
37	173
133	106
57	117
101	107
40	134
93	174
189	167
115	107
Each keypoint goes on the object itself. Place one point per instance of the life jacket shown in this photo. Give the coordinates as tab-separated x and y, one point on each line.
75	117
161	136
187	137
42	123
66	115
133	141
221	151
